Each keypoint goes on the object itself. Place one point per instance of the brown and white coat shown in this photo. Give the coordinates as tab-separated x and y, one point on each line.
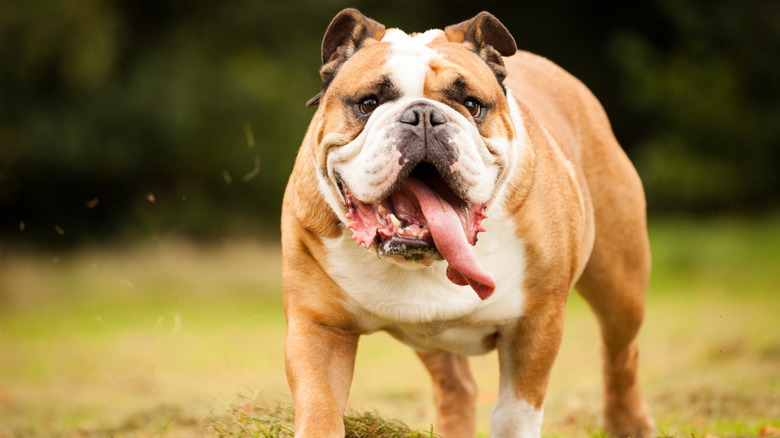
537	198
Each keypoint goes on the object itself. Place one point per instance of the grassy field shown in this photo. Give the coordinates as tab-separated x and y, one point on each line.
170	338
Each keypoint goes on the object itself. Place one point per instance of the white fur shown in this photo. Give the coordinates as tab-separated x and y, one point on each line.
517	151
420	305
410	58
369	163
511	416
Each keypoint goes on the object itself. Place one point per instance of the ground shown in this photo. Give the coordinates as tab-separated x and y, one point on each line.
168	337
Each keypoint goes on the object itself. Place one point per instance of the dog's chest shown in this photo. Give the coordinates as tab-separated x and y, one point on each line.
420	306
462	337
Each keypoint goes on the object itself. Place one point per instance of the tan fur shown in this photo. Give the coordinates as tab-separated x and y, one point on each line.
454	393
454	54
578	205
609	241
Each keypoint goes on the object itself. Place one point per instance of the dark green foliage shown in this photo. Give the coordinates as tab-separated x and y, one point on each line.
710	99
201	103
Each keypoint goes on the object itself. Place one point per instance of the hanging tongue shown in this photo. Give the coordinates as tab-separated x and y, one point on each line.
450	240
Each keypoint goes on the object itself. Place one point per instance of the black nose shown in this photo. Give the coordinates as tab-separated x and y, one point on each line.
423	114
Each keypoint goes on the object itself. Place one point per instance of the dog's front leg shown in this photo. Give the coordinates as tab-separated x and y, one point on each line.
454	393
319	361
526	353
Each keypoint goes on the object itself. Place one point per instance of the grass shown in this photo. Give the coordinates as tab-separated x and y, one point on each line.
169	338
260	421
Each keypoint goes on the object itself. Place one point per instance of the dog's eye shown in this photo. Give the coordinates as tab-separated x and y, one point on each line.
368	105
473	107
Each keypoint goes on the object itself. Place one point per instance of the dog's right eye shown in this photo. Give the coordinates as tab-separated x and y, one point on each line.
368	105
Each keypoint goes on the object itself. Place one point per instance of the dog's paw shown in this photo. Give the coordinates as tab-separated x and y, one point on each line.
622	423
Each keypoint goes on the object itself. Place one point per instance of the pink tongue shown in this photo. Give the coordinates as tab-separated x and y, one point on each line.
450	240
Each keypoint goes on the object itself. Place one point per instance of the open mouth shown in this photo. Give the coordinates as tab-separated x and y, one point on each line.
423	220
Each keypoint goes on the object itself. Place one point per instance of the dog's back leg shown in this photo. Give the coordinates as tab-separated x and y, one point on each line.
619	309
615	284
454	393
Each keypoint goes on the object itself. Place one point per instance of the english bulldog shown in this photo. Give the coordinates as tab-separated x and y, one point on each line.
451	190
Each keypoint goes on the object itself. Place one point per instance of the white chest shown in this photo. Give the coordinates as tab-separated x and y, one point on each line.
420	306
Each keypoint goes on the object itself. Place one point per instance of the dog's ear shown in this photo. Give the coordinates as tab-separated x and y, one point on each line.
346	32
488	38
483	30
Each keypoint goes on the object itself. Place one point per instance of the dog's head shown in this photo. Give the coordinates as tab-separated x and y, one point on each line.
413	137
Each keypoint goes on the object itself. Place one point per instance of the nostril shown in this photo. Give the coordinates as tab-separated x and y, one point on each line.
410	116
425	114
437	117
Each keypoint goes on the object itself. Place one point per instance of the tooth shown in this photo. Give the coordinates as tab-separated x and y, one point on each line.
396	222
381	208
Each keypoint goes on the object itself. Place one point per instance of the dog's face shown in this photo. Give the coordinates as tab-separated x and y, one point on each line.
413	134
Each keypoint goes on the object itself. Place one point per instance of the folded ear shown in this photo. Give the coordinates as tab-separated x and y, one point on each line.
488	38
346	33
482	30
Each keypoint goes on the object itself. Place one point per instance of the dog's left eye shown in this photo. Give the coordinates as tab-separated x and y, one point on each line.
473	107
368	105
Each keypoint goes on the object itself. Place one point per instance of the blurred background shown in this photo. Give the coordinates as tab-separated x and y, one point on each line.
144	150
137	118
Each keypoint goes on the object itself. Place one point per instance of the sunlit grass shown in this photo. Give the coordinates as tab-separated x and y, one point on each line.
102	335
172	338
249	420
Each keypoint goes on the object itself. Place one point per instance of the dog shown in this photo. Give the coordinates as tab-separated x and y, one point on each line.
451	190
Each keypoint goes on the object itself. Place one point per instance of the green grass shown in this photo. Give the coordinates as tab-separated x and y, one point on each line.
170	338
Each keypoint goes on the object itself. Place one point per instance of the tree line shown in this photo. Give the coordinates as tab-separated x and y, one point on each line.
127	118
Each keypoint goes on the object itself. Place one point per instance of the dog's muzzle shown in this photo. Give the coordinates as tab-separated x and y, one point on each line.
424	215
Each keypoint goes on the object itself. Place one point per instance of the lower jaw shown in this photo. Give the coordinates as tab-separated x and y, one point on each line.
408	249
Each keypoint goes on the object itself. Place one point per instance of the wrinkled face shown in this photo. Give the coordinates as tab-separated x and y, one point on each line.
415	134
